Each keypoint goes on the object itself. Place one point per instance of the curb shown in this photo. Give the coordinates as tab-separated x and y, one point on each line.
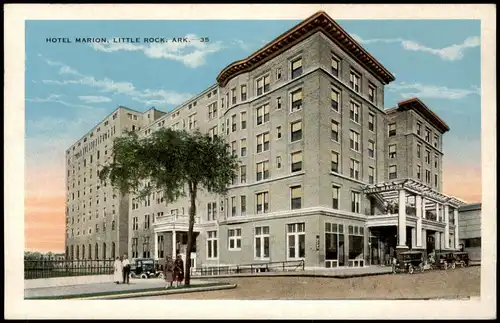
293	275
161	292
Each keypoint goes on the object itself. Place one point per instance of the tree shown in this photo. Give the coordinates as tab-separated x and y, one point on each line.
171	162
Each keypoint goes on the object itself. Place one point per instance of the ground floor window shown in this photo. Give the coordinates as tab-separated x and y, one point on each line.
356	246
212	244
234	236
262	243
161	252
334	245
135	253
296	241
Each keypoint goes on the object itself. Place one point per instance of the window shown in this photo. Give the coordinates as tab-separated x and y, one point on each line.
233	206
212	111
296	197
209	211
243	174
278	103
212	132
354	140
243	120
263	170
436	160
243	147
278	132
263	85
234	236
262	202
427	135
419	171
146	221
335	162
392	151
393	172
233	149
278	73
296	68
263	114
262	239
392	130
296	241
427	157
354	169
419	128
222	103
212	244
263	142
354	81
145	247
419	148
372	93
355	201
296	131
296	97
296	161
243	92
427	176
356	246
371	122
371	175
335	131
354	112
233	95
435	180
161	245
135	243
335	66
192	121
233	123
371	149
335	100
278	162
436	141
335	197
243	205
334	245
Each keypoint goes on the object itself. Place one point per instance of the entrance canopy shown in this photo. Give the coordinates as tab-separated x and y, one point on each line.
388	191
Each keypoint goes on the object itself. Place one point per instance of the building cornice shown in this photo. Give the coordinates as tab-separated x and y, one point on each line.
320	21
417	105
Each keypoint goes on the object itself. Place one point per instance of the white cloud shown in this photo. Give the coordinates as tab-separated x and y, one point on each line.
431	91
451	53
244	45
94	99
55	98
192	54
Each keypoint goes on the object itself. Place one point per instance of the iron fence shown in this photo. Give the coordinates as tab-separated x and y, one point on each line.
43	268
280	266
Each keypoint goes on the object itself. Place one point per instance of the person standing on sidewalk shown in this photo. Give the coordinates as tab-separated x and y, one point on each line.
178	270
118	275
168	271
126	269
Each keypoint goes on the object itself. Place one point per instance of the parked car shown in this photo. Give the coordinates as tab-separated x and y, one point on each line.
409	261
445	259
462	258
145	268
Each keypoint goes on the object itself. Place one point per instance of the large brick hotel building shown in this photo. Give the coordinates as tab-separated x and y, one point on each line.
326	173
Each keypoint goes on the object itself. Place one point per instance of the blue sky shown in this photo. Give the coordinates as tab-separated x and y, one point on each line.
71	87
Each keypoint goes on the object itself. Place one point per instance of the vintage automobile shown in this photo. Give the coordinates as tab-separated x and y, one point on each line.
409	261
145	268
445	259
462	258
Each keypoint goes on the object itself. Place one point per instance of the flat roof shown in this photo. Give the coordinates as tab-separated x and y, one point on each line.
470	207
417	105
320	21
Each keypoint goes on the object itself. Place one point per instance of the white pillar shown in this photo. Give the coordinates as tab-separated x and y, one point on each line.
418	204
414	238
423	208
402	219
447	227
437	240
174	244
438	218
455	216
424	238
156	246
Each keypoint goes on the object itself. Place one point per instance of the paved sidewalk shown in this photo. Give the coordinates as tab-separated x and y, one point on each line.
136	285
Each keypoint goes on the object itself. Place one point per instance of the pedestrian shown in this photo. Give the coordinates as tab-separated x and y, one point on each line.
118	275
168	271
178	270
126	269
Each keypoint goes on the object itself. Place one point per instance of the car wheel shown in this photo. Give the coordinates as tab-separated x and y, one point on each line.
445	266
144	276
132	275
411	270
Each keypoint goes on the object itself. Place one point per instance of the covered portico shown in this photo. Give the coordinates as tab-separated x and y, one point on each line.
170	236
416	211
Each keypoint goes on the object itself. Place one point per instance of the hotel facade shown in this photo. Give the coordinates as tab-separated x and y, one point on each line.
326	174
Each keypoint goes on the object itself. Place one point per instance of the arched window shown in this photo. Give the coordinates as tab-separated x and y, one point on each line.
96	253
113	249
90	251
83	251
113	225
104	250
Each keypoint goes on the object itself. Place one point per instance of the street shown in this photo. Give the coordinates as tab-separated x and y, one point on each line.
461	282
